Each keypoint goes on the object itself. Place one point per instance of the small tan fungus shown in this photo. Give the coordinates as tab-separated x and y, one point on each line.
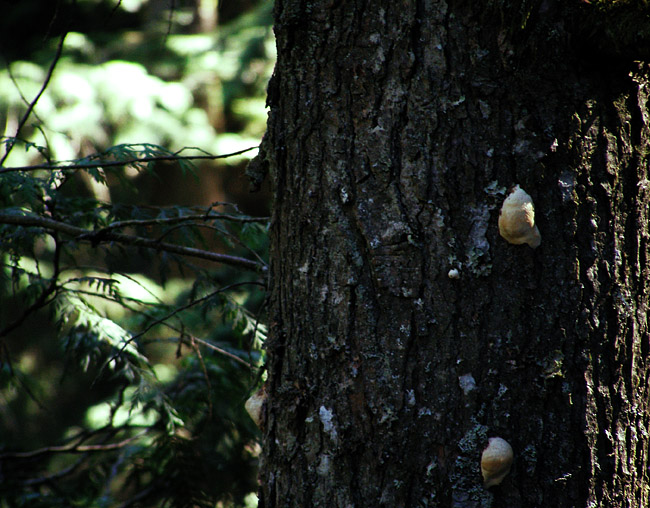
255	406
517	219
496	461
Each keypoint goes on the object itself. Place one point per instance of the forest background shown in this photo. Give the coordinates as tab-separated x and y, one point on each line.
132	284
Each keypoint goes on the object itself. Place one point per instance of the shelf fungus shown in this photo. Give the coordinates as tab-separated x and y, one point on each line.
255	406
517	219
496	461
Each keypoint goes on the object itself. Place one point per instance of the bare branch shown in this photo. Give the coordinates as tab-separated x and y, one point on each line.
100	236
74	448
126	162
187	341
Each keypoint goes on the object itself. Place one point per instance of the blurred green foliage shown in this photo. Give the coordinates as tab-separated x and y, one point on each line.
176	90
131	325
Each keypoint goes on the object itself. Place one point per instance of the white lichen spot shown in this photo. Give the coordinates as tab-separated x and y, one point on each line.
379	59
387	416
467	383
410	397
485	110
344	195
394	231
460	100
477	254
439	218
480	216
493	188
324	465
567	183
411	240
425	411
521	147
482	53
325	416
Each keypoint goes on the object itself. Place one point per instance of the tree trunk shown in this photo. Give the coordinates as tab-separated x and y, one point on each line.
405	331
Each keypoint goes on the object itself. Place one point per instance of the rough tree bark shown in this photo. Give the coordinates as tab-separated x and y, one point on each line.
395	129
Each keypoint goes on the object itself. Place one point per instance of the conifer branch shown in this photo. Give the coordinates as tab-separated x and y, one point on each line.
102	236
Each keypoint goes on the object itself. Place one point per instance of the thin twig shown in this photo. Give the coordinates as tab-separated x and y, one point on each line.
32	104
42	299
6	358
183	218
33	482
181	309
163	321
138	497
190	339
184	337
218	350
126	162
237	240
96	237
208	385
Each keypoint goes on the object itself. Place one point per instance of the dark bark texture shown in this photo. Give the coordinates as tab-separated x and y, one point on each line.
396	128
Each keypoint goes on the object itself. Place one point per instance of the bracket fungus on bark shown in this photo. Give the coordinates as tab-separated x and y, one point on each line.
496	461
517	219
